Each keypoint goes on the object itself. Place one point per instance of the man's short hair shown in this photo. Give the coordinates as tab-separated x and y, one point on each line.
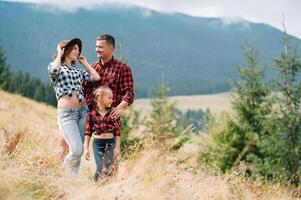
108	38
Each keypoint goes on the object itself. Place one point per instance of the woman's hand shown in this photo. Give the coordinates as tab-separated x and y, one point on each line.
87	154
89	69
60	49
60	52
82	60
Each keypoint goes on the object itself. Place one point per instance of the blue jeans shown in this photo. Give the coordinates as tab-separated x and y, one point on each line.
72	123
103	155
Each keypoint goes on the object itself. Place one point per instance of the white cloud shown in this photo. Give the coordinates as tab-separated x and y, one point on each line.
260	11
146	13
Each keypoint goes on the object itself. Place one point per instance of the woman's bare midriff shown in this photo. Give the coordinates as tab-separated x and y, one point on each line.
104	136
70	102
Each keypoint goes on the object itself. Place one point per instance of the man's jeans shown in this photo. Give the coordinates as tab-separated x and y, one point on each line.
72	123
103	155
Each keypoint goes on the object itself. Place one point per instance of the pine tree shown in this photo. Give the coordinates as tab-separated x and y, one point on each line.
50	95
161	122
282	148
120	50
24	84
4	71
251	105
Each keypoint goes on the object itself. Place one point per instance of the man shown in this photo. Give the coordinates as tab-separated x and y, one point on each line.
114	74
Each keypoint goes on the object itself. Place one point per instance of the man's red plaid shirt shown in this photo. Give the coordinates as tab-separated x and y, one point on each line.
117	76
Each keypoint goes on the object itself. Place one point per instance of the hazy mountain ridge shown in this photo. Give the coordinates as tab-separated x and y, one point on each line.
196	55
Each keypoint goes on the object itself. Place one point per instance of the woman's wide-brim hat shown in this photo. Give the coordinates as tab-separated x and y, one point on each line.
70	43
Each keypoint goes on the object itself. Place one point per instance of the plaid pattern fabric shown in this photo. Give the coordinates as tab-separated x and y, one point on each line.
66	80
96	124
117	76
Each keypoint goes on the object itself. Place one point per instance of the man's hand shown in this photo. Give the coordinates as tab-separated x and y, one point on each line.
116	112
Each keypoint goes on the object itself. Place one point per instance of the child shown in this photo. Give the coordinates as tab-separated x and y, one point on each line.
106	133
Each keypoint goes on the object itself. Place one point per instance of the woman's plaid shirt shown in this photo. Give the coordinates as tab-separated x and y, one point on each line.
68	79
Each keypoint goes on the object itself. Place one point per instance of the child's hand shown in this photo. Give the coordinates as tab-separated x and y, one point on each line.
87	154
117	155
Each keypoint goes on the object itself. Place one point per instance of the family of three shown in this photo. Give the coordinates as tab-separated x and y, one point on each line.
90	102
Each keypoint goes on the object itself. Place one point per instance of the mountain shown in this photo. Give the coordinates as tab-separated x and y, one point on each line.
196	55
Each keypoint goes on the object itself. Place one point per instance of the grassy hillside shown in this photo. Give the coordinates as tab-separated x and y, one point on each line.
31	170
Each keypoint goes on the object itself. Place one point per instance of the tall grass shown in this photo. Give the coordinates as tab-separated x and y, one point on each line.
30	167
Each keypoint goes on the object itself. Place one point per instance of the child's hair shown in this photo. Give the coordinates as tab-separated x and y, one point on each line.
100	92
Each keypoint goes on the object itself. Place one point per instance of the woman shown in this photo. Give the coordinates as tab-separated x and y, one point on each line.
71	104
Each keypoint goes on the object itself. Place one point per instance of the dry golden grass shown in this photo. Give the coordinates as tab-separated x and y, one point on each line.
11	141
34	172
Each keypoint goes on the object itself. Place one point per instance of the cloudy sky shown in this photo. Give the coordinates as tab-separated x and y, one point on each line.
263	11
